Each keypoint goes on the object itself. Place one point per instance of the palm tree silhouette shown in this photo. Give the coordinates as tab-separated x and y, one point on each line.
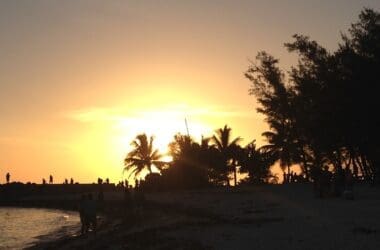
227	149
257	162
143	156
281	145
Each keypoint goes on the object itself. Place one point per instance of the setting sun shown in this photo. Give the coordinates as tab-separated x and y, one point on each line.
79	82
167	124
162	124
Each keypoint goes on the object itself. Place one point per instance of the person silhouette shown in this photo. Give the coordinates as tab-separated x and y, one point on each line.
82	214
90	213
50	179
8	177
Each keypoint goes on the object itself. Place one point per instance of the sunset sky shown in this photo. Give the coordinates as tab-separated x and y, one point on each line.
80	79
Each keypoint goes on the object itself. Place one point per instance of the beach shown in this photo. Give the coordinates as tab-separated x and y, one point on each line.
262	217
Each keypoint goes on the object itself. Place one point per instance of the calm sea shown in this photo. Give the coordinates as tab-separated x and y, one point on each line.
22	227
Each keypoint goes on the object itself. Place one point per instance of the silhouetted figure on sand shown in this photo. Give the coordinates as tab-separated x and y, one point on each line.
50	179
82	214
87	213
8	177
90	213
100	181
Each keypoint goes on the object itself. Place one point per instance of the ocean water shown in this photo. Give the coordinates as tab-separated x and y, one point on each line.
23	227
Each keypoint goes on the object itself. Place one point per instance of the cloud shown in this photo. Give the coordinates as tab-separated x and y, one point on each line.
180	111
94	115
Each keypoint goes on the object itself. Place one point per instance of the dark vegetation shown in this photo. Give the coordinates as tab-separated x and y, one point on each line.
322	116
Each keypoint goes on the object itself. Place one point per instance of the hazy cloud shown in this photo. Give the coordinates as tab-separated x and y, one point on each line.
97	114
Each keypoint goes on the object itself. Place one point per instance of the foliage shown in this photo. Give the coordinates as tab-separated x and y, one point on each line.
325	113
143	156
188	168
257	162
229	151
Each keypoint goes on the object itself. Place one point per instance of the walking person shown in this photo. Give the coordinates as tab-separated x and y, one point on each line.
82	214
90	213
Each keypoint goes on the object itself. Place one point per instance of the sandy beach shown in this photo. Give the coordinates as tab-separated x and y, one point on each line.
263	217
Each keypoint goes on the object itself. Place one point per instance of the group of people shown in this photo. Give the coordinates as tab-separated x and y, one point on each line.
293	177
134	199
335	184
87	213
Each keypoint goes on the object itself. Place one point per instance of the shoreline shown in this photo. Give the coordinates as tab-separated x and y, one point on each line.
37	225
60	236
63	236
241	218
64	233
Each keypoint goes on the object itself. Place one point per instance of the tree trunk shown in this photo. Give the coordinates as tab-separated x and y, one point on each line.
235	176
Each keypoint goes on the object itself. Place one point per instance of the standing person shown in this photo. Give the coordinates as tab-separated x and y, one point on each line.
50	179
82	215
90	212
8	177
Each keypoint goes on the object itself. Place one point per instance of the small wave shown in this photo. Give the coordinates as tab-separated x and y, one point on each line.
25	226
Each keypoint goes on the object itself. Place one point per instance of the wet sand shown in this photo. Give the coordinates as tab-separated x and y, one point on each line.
266	217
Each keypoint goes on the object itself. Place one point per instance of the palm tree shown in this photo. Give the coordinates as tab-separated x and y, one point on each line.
281	145
227	149
189	168
143	156
257	162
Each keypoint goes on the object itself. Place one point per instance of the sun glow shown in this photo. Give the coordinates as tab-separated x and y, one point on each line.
162	125
106	142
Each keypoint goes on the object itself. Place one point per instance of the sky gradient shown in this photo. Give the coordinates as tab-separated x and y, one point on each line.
80	79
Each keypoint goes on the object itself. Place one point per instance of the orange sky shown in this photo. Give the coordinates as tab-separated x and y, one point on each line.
79	79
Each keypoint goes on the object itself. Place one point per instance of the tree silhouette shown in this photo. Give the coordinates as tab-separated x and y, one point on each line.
227	149
143	156
280	145
190	164
324	115
257	162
